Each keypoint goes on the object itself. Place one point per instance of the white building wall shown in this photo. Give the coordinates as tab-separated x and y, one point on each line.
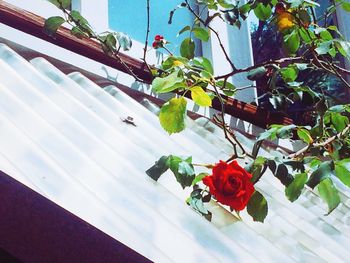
343	19
237	43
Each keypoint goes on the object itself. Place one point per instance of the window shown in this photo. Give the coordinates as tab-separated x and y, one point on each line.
131	18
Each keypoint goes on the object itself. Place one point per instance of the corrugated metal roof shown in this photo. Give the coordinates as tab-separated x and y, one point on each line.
64	137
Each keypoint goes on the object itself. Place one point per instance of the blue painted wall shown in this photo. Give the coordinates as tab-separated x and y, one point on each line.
130	17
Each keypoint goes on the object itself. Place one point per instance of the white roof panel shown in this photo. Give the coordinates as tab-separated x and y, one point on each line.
64	137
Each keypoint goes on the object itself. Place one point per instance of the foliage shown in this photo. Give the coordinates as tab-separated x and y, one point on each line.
276	95
307	47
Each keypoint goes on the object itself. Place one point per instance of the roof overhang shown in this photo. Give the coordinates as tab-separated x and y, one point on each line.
35	229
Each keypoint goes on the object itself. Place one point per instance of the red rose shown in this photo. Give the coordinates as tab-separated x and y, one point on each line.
158	38
155	44
230	184
280	8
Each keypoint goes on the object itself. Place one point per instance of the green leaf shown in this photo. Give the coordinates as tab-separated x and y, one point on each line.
64	3
325	35
291	42
201	33
312	3
283	175
340	108
199	178
200	97
342	171
285	132
323	47
111	42
160	167
81	21
262	12
52	24
304	135
257	207
173	61
343	47
256	73
187	48
226	4
301	66
296	165
255	170
346	6
168	83
172	115
182	169
196	202
75	31
293	190
323	171
329	194
290	73
228	88
244	9
186	28
269	134
204	63
339	121
307	35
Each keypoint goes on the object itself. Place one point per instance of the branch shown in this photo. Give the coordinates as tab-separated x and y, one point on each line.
321	144
331	69
343	70
266	63
215	33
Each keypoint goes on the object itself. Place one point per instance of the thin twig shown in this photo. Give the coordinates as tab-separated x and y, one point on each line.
343	70
147	36
215	33
222	113
93	35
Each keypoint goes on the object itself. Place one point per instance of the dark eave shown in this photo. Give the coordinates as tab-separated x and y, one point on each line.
34	229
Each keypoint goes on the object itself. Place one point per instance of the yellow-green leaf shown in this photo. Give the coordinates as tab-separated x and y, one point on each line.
304	135
262	12
200	97
201	33
172	115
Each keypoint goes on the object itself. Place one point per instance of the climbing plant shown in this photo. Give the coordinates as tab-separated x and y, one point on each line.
308	43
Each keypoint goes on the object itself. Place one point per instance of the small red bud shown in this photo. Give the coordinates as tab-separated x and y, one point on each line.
158	37
280	8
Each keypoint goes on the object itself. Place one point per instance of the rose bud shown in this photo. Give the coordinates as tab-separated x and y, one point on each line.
158	37
280	8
